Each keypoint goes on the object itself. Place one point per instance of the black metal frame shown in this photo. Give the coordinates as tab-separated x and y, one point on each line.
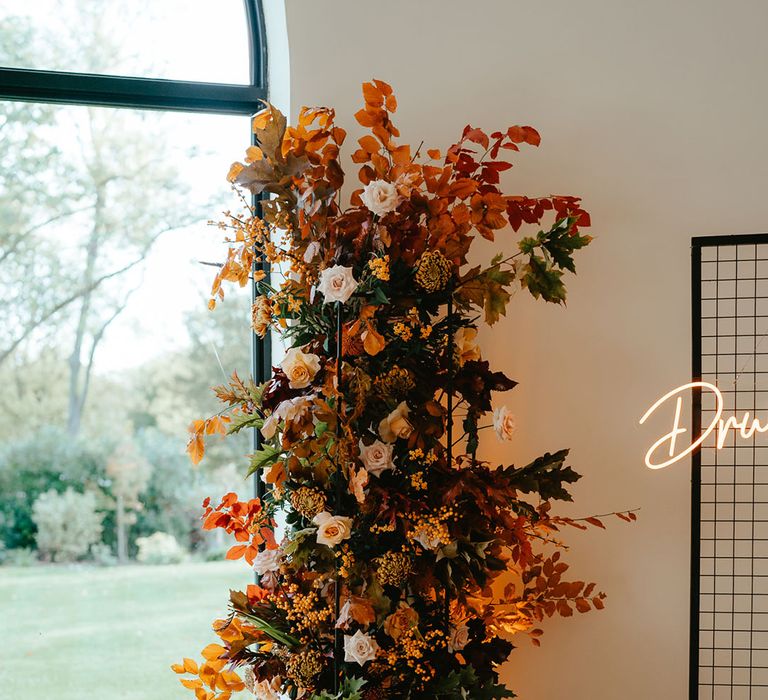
697	244
58	87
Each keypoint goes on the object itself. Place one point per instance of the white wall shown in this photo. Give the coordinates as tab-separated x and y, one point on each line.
655	112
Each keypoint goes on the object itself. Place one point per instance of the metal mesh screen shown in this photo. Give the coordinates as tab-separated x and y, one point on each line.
729	627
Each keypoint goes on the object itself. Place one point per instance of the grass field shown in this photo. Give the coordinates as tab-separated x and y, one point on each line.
82	633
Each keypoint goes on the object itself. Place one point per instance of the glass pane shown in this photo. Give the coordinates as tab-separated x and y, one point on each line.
107	353
174	39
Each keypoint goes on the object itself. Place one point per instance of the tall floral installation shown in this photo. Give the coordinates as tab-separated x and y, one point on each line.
406	563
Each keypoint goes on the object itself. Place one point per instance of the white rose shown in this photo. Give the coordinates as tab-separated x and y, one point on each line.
267	560
286	410
396	424
380	197
458	638
504	423
300	367
337	284
359	647
268	689
465	340
332	529
376	457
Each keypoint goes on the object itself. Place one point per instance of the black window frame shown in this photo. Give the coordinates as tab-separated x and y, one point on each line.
97	90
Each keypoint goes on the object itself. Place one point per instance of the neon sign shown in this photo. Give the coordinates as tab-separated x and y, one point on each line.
721	427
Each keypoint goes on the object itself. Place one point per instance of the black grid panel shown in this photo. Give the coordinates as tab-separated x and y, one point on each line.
729	625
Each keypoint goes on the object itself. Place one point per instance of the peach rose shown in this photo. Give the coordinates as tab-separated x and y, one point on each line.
396	424
401	620
504	423
377	457
332	529
300	368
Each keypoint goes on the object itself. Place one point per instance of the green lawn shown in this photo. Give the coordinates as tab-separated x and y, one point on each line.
76	633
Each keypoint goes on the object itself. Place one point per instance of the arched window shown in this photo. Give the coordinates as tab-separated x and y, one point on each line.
118	123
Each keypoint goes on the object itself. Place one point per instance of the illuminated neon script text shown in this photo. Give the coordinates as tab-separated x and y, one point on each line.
745	426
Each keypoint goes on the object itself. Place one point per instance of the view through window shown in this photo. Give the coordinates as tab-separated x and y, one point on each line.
107	353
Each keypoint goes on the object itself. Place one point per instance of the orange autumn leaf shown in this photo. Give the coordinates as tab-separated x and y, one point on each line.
369	144
236	552
373	341
212	651
196	448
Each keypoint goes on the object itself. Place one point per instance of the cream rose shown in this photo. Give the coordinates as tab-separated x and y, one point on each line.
360	648
337	284
465	340
268	689
377	457
396	424
332	529
403	619
286	410
300	367
458	637
267	560
380	197
504	423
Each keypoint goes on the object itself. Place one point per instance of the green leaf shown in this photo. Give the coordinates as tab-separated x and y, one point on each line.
486	289
351	689
464	684
244	420
543	281
262	458
545	476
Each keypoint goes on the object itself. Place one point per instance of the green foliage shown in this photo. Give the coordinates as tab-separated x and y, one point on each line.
46	460
263	458
160	548
546	476
351	689
67	524
487	289
465	685
542	276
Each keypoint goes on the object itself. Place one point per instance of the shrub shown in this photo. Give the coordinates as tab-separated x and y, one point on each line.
160	548
22	556
67	524
102	555
46	460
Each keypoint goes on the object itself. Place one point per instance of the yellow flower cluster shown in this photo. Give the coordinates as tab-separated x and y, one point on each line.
301	610
395	385
307	501
347	561
433	527
380	268
433	271
393	568
417	481
410	648
417	455
375	528
403	332
304	666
